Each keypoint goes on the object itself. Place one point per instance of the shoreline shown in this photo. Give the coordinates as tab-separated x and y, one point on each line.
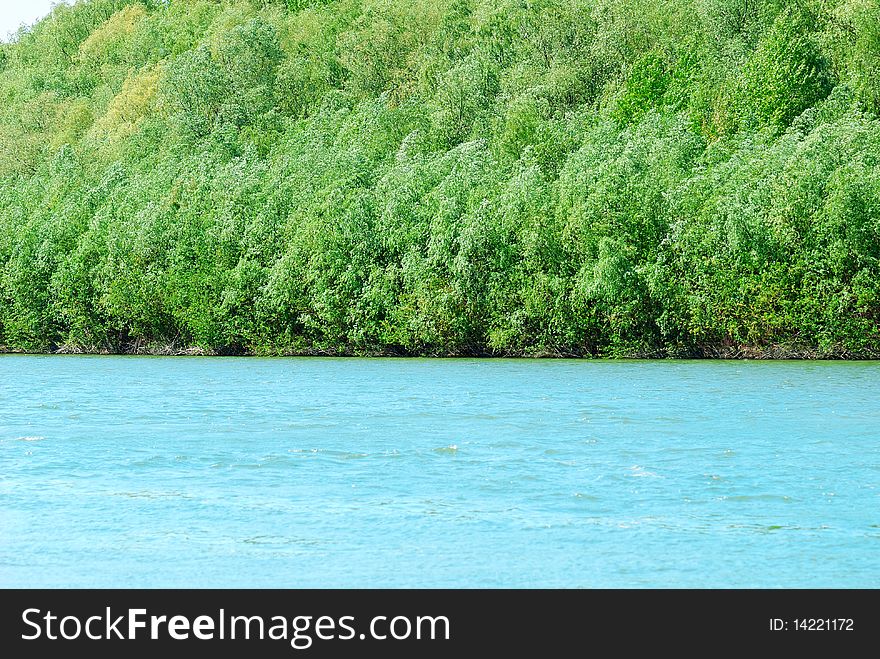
719	353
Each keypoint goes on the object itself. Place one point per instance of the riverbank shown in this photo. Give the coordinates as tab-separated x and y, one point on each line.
626	183
720	352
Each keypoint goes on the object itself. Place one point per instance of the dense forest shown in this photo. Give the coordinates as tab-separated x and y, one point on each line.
443	177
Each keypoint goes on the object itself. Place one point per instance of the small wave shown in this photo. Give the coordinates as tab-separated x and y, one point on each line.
452	449
757	497
31	438
637	471
145	462
267	540
279	540
353	456
147	494
771	528
329	453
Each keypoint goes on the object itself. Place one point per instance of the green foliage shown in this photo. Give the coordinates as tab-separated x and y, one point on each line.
543	177
646	86
194	91
854	37
785	75
463	93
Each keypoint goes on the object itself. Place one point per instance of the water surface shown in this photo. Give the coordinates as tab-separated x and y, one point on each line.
191	472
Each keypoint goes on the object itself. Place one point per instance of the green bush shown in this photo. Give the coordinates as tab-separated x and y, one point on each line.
588	177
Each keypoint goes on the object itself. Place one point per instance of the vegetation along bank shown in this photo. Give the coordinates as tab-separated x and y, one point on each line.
443	177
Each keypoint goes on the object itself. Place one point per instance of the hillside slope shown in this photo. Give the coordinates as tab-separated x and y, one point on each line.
583	177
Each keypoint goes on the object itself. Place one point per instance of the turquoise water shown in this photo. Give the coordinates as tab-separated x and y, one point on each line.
192	472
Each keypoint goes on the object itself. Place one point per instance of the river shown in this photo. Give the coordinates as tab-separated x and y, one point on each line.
313	472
